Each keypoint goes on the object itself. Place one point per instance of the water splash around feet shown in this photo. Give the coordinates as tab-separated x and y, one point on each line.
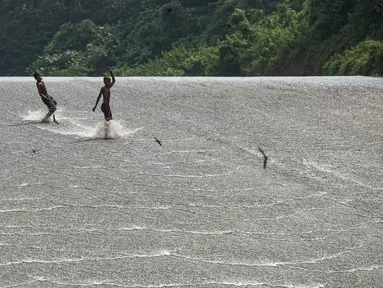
111	130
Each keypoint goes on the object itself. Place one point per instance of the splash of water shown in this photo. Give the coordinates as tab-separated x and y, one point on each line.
104	130
36	116
110	130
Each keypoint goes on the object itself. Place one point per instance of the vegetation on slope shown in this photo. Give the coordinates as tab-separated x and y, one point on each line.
191	37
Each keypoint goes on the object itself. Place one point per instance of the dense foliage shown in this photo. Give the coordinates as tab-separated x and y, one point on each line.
364	59
192	37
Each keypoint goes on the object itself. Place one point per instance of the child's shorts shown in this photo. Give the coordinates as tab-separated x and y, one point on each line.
106	109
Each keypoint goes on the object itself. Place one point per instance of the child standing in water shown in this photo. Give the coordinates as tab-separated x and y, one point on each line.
105	92
47	99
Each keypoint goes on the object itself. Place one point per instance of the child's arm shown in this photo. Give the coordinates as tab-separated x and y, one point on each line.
113	79
98	100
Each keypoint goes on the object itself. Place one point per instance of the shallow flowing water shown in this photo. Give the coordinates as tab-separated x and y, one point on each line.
92	204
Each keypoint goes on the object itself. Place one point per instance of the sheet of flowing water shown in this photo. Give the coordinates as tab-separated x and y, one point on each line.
92	204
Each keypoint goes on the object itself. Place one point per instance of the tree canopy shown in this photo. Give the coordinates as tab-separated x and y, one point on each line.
191	37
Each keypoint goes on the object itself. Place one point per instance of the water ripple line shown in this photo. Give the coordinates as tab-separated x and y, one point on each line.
156	254
32	210
268	264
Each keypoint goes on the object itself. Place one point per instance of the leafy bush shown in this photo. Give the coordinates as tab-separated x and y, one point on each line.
366	58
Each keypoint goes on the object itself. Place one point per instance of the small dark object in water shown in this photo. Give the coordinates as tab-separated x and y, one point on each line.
264	158
158	141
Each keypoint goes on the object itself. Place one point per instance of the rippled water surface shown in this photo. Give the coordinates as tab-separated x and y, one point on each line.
89	204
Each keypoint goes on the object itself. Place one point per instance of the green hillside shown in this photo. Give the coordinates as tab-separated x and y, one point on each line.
191	37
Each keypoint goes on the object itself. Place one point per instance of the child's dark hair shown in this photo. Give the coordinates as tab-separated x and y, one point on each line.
36	74
107	78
